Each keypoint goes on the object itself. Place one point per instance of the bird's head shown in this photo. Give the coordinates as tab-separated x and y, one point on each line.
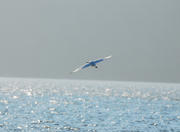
88	62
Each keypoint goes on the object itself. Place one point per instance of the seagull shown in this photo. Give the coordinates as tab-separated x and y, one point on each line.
91	63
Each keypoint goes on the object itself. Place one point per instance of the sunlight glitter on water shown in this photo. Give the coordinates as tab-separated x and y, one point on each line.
72	105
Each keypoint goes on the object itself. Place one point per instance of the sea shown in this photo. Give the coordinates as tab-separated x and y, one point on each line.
61	105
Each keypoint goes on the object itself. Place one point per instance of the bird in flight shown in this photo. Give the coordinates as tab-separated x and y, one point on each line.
91	63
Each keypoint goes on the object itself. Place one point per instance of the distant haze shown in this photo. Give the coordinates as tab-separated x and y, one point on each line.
50	38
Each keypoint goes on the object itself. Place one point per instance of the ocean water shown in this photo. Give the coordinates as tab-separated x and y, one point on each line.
37	105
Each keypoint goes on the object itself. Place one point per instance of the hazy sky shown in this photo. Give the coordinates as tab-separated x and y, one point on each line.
50	38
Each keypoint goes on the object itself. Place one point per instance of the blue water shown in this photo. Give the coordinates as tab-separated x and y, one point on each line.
34	105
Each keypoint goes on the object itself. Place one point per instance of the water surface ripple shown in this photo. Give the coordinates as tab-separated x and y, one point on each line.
33	105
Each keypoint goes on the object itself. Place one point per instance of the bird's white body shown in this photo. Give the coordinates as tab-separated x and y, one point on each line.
92	63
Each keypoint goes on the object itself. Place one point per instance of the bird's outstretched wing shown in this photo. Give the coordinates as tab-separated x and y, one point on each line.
99	60
89	64
82	67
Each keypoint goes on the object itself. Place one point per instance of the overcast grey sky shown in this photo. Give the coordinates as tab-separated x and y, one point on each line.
50	38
